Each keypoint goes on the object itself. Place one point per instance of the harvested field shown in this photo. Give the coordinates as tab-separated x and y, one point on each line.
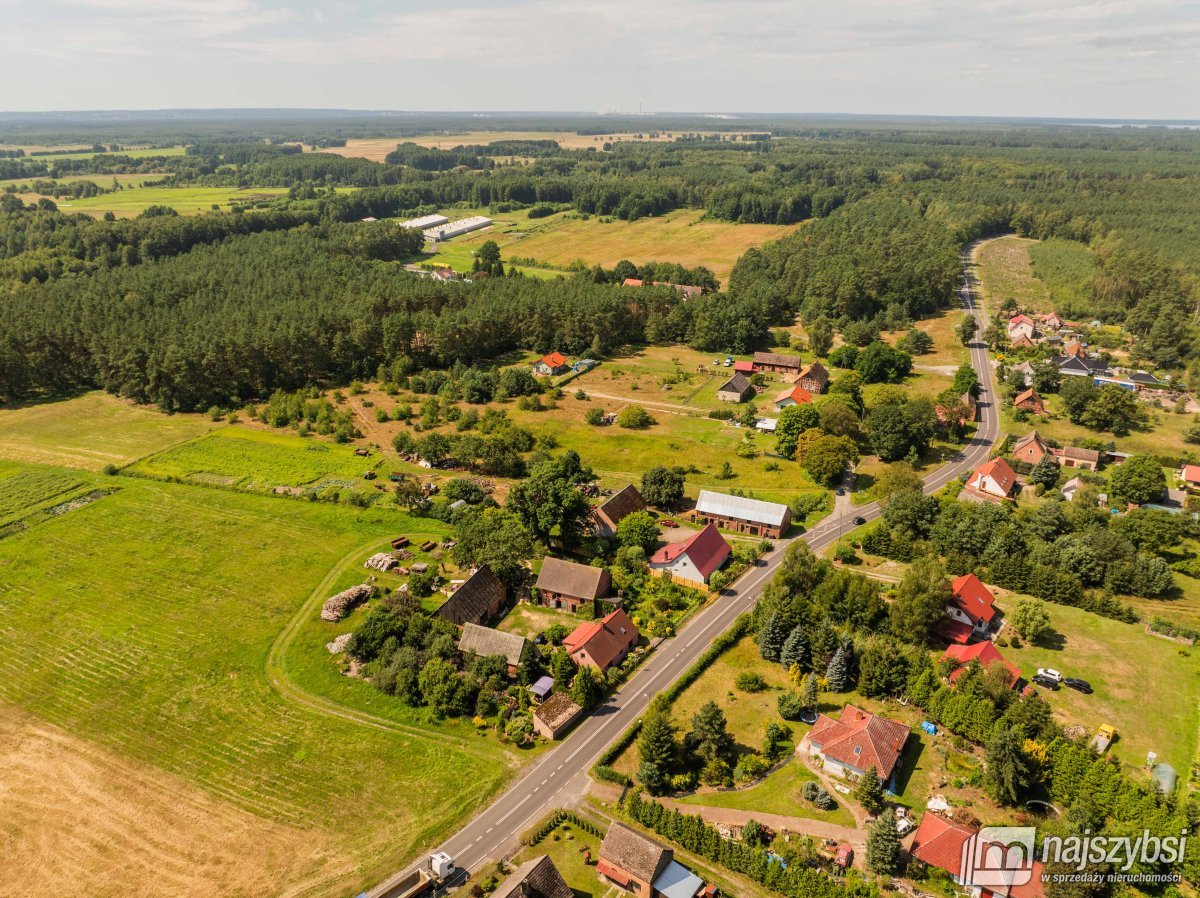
86	821
1006	272
376	148
91	431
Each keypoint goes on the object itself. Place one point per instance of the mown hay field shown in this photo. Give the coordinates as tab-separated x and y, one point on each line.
90	431
141	625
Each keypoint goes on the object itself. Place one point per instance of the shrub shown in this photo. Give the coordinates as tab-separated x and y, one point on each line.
790	705
750	767
634	417
749	681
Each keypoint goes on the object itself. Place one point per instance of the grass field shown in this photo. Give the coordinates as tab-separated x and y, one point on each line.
568	239
24	490
144	622
1163	436
778	793
85	153
1006	272
126	181
91	431
1145	686
184	200
256	460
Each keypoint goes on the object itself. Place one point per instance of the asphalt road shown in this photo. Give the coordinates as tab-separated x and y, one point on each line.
560	776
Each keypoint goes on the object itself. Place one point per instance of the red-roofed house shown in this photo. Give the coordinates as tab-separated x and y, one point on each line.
971	607
985	653
943	843
744	367
794	395
993	481
1190	475
693	561
551	365
1030	448
1030	401
858	740
602	643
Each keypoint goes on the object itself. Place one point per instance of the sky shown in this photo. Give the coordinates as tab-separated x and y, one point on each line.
1085	59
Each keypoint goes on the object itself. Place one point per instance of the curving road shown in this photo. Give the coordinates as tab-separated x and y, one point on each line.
560	776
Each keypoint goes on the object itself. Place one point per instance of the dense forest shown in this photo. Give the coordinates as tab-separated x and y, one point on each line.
224	307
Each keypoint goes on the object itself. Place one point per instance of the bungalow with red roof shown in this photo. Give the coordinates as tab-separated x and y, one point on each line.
744	367
694	560
551	365
1190	475
1030	401
602	643
793	395
856	741
949	846
970	610
985	653
993	481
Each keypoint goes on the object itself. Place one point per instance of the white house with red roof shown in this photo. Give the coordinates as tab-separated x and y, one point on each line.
602	643
856	741
793	395
1190	475
993	481
949	846
970	611
551	365
694	560
985	653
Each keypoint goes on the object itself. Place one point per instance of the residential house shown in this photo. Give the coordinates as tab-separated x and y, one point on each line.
744	367
1021	341
615	509
644	867
1026	371
778	363
536	878
694	560
570	585
944	844
967	408
602	643
1079	366
1030	401
443	274
750	516
555	715
1074	457
970	611
993	481
1030	448
1075	349
480	598
1146	381
1190	475
1022	328
737	389
487	642
551	365
856	741
793	395
1051	320
985	653
813	378
1071	487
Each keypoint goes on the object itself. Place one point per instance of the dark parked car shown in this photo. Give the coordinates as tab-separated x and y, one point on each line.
859	521
1047	682
1080	685
841	491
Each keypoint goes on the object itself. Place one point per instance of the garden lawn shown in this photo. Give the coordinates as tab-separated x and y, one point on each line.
777	793
91	431
565	846
1145	686
144	622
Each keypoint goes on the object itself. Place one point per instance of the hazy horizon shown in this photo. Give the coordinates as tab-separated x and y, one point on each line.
1088	59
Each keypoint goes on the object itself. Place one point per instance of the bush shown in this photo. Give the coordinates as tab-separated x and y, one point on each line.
749	681
790	705
824	800
750	767
110	469
634	417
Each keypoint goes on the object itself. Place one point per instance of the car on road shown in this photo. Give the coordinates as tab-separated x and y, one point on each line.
1045	681
859	521
668	523
841	491
1050	674
1078	685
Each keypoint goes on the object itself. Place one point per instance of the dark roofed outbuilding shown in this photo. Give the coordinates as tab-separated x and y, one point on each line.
479	598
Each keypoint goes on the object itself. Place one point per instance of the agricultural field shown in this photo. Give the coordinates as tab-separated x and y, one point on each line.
146	621
568	240
86	153
23	491
184	200
126	181
91	431
257	460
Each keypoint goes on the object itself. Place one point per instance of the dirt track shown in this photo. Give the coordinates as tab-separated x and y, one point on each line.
81	821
